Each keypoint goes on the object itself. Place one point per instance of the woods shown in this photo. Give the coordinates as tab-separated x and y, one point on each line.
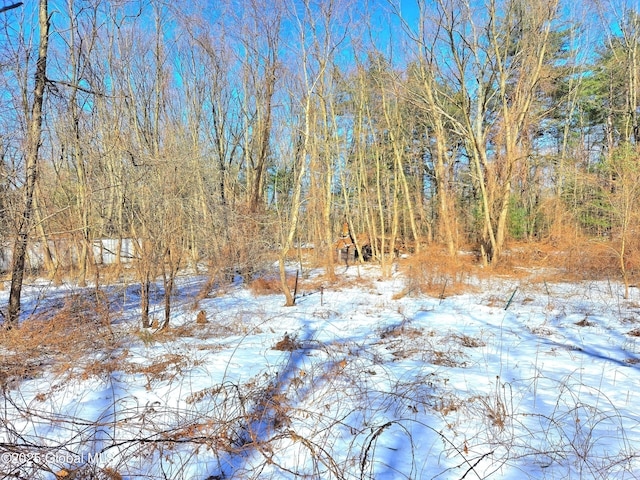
220	136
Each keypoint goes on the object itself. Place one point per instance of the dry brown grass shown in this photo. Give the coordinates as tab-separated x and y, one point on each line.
114	273
88	472
193	330
206	289
588	260
100	368
434	272
162	368
287	344
337	282
634	333
308	255
271	285
572	260
59	340
521	258
468	341
582	259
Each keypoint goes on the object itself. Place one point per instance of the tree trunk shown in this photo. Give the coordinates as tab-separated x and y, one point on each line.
295	204
145	285
168	280
33	145
293	223
623	266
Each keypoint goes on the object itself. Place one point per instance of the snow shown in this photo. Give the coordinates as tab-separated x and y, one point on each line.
348	384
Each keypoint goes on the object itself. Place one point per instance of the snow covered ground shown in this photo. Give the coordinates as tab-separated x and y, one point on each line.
356	382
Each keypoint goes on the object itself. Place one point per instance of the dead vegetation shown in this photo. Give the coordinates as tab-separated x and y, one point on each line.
634	333
435	273
287	344
58	338
260	415
578	260
270	285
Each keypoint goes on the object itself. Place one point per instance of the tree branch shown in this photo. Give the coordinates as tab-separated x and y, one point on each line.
10	7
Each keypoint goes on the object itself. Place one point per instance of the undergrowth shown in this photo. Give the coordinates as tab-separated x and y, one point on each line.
319	409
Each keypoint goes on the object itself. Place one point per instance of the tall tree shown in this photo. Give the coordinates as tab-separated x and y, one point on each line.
34	134
498	59
622	195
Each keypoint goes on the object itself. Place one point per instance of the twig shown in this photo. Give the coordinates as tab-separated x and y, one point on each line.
443	288
295	287
472	468
376	434
511	298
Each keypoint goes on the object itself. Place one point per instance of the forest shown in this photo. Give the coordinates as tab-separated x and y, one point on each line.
319	239
222	135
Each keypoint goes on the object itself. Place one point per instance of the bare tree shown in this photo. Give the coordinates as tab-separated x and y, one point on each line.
303	101
427	93
34	134
261	43
622	194
328	32
77	96
504	53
